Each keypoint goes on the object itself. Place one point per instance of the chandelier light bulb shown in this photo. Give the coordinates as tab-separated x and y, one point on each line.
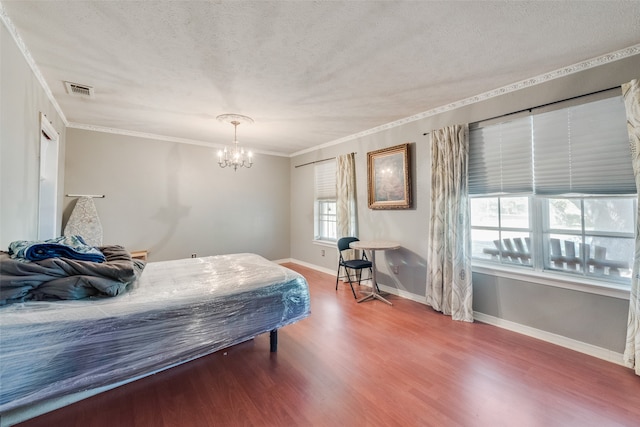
235	157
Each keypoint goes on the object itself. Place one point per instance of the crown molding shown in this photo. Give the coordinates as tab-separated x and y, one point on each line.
522	84
157	137
32	64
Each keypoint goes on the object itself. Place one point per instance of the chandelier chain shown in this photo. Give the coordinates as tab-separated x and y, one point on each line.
235	157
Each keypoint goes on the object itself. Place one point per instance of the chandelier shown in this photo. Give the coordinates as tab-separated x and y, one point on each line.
235	156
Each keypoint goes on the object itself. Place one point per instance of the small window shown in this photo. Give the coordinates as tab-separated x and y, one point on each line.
325	220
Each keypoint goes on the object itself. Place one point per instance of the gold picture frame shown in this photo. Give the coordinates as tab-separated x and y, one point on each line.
389	178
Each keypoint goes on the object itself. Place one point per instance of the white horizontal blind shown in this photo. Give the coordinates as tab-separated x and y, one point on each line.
583	149
325	183
500	158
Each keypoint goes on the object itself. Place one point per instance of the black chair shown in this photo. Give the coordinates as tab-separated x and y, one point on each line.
354	264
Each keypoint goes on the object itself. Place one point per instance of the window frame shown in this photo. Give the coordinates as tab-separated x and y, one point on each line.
583	233
492	174
325	192
537	271
322	223
581	284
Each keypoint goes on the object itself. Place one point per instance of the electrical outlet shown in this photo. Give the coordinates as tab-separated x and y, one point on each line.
322	252
395	269
194	255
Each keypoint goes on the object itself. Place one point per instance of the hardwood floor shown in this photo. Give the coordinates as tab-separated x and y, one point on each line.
371	364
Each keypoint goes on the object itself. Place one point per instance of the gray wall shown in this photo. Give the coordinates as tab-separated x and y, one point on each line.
595	319
173	199
22	98
589	318
410	226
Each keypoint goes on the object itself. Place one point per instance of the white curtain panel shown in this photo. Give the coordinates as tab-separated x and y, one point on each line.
449	287
631	93
346	214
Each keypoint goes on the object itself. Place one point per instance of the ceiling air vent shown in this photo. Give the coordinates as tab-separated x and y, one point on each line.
76	89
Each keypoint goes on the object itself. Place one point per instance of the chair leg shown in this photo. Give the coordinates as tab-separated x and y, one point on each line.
350	284
338	277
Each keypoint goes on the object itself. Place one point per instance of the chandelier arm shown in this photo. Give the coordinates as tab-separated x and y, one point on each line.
236	156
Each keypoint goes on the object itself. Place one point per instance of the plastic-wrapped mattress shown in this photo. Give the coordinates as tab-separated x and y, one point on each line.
177	311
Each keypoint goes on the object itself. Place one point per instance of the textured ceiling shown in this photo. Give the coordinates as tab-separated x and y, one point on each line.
307	72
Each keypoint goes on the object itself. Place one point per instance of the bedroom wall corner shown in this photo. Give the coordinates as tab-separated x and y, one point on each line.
173	200
22	98
407	226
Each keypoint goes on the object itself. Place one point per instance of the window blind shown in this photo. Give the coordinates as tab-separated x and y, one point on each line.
583	149
325	180
573	149
500	158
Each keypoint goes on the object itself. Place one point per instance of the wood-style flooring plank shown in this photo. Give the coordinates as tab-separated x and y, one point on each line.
372	364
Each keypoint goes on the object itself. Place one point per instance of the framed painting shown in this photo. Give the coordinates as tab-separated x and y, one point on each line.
389	178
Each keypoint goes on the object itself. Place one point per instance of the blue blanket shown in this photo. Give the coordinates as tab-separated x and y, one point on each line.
72	247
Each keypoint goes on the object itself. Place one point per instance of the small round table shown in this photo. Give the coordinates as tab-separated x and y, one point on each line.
372	246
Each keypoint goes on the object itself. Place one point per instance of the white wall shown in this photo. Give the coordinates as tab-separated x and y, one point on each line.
173	199
22	98
588	318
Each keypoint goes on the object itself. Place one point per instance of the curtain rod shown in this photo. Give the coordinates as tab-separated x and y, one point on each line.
317	161
92	196
543	105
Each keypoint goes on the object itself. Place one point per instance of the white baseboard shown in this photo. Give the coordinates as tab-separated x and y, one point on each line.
403	294
591	350
394	291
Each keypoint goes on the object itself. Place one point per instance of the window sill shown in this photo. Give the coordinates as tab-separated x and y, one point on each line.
581	284
327	243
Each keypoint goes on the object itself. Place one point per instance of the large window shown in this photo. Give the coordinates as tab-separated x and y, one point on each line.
554	190
592	237
325	220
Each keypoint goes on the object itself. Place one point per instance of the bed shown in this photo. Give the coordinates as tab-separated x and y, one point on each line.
175	312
